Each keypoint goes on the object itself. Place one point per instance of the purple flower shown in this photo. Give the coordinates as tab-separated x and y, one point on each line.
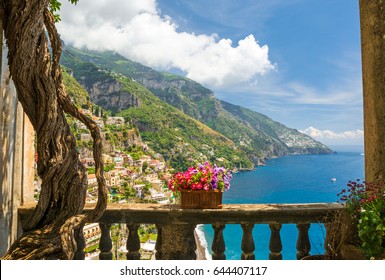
214	183
220	170
202	176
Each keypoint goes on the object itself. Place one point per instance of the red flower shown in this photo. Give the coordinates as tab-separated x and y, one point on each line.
201	177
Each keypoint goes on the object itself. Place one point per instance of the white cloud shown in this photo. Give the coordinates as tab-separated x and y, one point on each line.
328	134
348	92
137	30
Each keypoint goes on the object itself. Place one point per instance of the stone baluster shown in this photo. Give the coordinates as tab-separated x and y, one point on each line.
303	242
275	244
218	245
81	244
158	245
105	243
133	242
247	245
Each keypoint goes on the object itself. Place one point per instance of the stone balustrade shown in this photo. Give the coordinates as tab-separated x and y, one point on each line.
176	227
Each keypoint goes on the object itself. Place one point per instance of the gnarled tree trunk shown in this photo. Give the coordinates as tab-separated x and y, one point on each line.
37	77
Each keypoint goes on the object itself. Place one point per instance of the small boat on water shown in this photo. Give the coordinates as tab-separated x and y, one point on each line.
333	179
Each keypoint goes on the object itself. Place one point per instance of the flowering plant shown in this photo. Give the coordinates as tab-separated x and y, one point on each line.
201	177
365	203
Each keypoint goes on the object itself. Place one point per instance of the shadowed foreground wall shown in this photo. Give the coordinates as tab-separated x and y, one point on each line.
16	156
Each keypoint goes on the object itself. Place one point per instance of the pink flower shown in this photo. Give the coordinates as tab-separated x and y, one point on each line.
201	177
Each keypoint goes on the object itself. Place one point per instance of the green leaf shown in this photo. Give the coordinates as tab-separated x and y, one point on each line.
54	8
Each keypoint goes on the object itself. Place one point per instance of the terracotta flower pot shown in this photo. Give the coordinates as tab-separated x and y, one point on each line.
200	199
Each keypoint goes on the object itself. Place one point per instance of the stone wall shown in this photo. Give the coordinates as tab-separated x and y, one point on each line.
372	15
16	156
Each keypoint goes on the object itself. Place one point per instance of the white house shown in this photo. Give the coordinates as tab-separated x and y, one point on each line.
91	178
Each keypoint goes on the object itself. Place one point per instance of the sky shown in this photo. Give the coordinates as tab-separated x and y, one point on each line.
296	61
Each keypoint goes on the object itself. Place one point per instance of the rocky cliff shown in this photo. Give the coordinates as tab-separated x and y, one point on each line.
113	83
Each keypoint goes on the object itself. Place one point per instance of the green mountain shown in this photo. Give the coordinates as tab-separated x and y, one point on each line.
138	92
181	139
293	140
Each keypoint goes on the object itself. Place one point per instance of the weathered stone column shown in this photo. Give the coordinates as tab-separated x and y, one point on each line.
372	14
176	242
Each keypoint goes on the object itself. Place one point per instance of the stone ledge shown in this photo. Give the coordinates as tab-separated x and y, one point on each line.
229	214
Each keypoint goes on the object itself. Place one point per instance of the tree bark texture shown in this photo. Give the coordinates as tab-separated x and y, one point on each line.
35	70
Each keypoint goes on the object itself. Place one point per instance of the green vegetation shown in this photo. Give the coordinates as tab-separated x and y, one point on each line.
91	248
129	192
181	119
91	170
79	95
181	139
291	139
109	167
147	232
365	204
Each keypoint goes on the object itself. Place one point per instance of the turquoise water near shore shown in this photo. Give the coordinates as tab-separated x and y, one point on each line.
291	179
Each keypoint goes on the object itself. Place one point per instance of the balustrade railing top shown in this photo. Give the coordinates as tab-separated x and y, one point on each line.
175	226
229	214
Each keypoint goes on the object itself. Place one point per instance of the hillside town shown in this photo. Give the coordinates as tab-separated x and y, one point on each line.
131	177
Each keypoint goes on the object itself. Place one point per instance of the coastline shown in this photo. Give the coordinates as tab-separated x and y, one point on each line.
202	251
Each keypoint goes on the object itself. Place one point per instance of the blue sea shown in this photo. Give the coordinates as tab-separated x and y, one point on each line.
291	179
